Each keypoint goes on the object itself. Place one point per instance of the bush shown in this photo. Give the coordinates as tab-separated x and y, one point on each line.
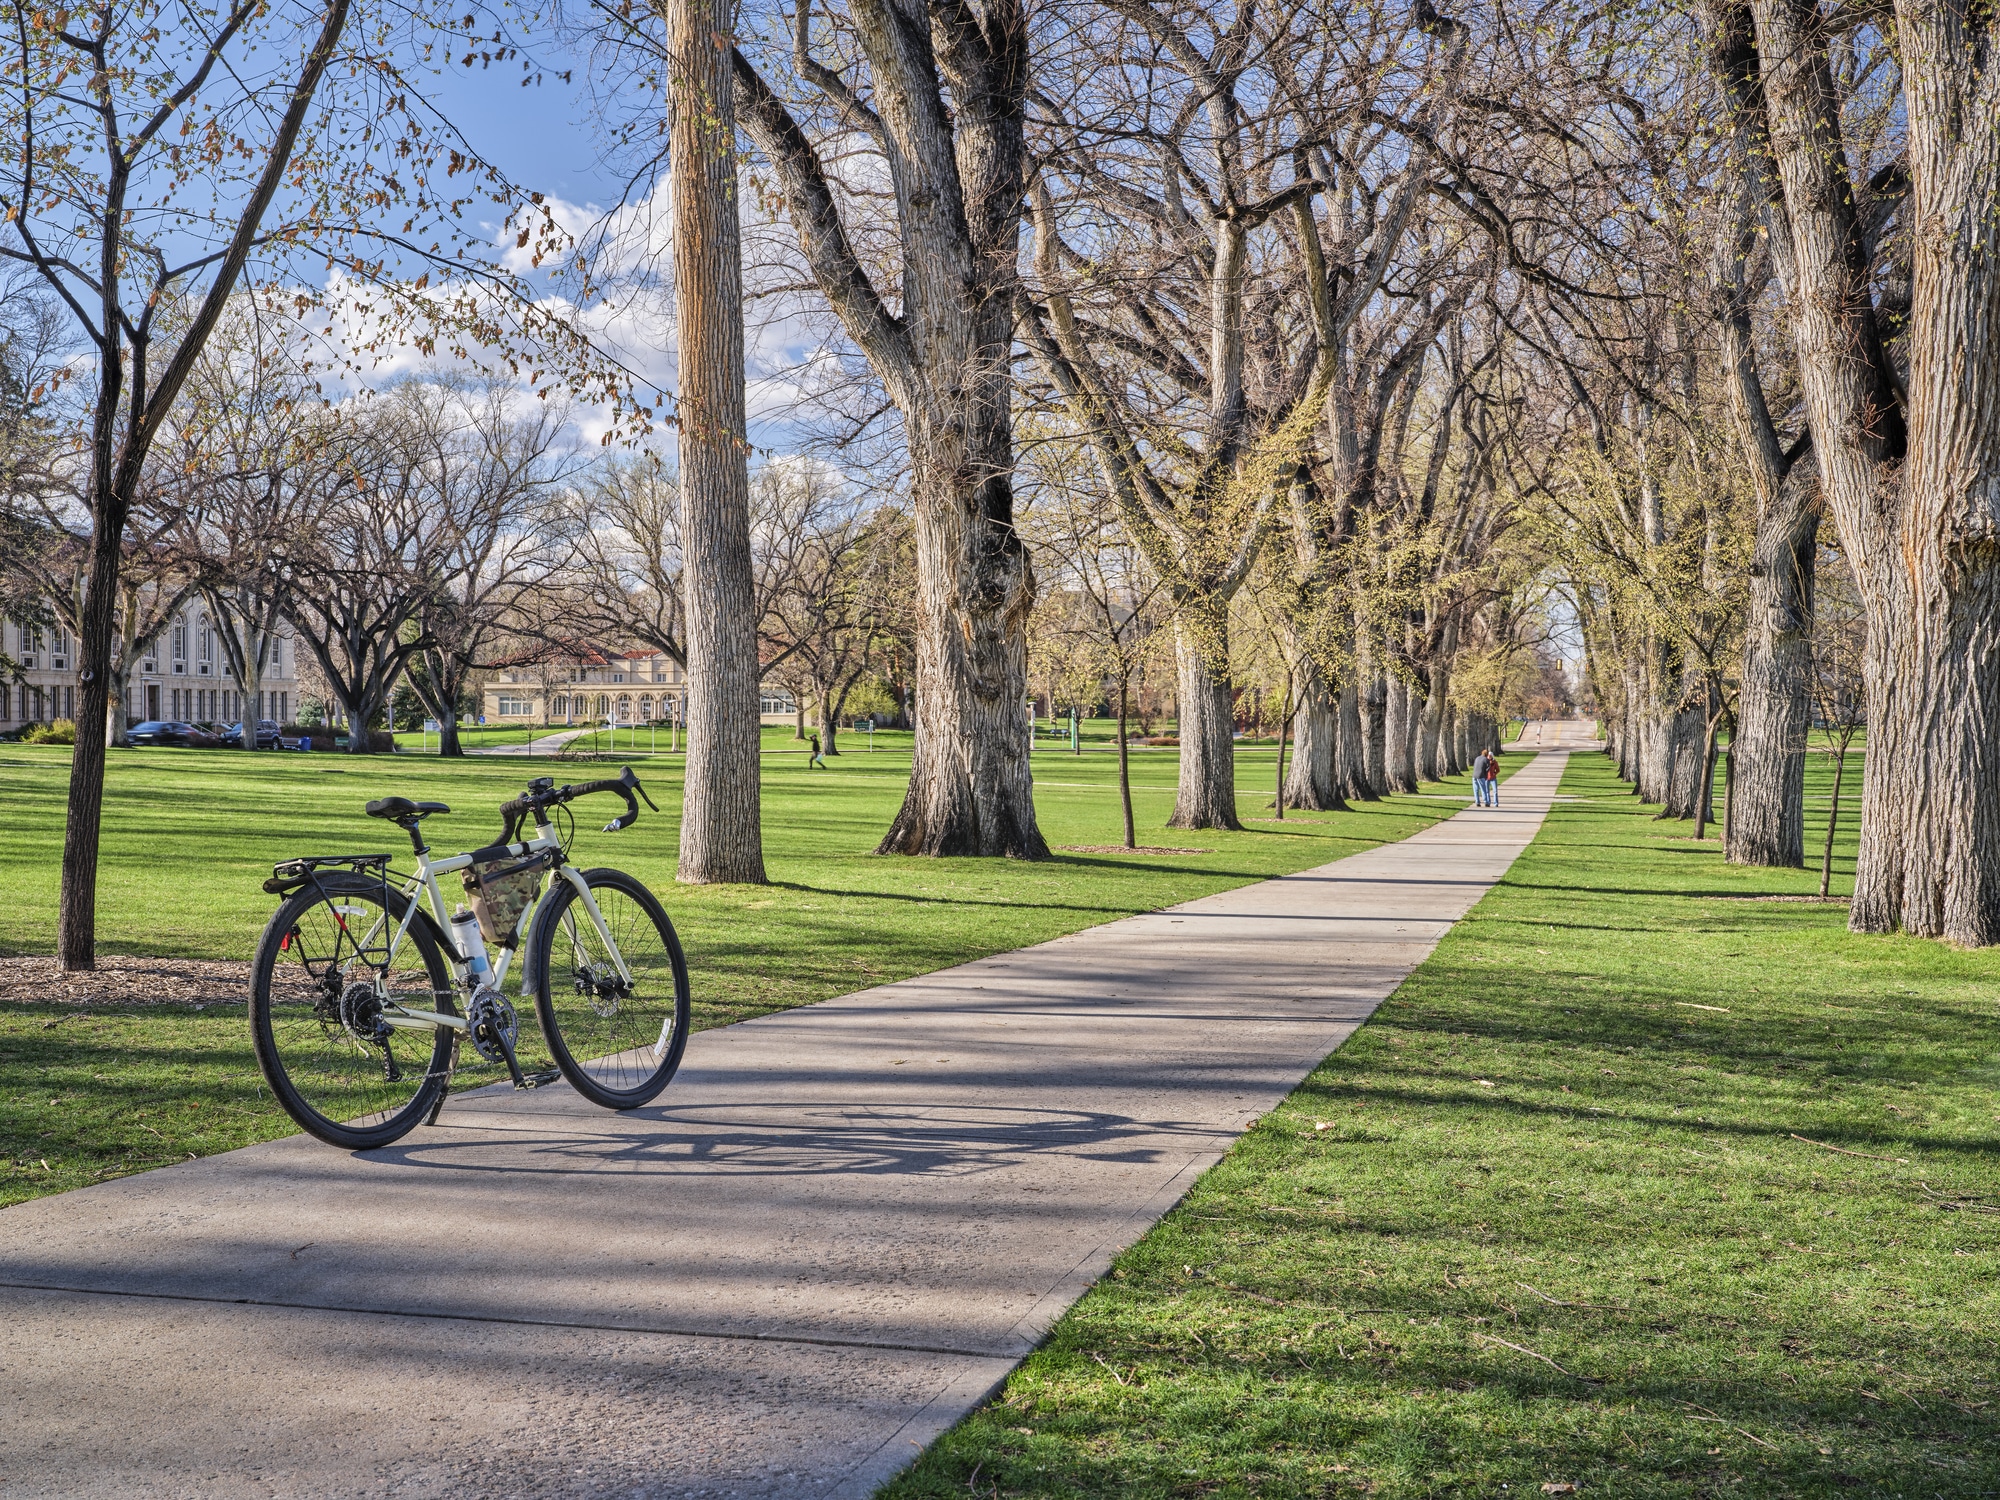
62	732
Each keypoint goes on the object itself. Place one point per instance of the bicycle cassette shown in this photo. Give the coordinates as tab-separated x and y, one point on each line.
489	1019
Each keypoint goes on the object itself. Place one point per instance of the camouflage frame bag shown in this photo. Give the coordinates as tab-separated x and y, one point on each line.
499	891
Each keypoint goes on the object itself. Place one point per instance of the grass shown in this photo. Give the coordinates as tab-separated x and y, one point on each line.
190	835
1555	1218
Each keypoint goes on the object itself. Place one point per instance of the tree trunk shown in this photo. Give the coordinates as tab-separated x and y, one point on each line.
971	786
1375	731
721	830
1124	768
1350	750
1396	738
1767	756
1207	791
1704	802
1930	781
1832	822
1430	733
829	725
1206	796
1278	789
1312	784
1684	732
76	914
449	743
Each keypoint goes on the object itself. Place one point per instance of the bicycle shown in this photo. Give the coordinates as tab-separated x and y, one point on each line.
353	963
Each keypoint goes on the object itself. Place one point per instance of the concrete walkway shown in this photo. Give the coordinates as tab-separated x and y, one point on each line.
838	1230
547	744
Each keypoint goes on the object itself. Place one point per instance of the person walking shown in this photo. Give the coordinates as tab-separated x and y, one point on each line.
816	759
1485	780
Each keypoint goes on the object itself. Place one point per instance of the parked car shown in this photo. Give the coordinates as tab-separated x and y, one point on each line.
168	732
268	737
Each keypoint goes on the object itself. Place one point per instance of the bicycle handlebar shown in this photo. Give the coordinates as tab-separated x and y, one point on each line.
543	793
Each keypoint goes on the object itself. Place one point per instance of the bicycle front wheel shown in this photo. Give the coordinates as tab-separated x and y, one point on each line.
324	974
617	1039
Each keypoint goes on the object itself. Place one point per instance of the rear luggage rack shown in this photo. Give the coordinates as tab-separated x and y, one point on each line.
296	872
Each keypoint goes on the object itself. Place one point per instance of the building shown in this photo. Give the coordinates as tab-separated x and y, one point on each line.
586	684
182	675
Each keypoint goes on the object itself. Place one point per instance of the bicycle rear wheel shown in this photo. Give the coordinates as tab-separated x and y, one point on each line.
322	975
618	1044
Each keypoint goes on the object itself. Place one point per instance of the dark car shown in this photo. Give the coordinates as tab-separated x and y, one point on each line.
166	732
267	734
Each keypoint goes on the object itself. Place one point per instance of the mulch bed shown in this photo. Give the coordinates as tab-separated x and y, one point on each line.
120	979
1121	849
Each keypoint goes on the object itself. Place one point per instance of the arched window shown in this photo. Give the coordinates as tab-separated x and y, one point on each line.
646	707
558	705
603	704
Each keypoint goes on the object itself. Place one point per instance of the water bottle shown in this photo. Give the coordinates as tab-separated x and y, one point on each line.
465	930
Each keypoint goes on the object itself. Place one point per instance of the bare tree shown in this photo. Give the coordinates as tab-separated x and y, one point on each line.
721	828
935	98
156	158
1208	163
1106	596
487	473
1899	363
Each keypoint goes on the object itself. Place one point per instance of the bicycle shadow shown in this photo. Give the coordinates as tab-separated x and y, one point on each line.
824	1138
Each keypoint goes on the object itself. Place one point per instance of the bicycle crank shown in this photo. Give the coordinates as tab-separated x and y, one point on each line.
491	1023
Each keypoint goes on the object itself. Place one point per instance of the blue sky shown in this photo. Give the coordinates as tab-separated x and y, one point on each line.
535	135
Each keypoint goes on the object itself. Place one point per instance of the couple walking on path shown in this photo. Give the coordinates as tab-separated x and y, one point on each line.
1486	779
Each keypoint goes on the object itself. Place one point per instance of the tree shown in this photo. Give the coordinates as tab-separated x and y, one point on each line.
1753	239
1171	228
935	97
1889	309
1839	683
156	158
361	561
721	833
1101	601
488	473
815	546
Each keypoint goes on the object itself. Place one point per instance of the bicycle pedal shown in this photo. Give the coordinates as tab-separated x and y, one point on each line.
540	1080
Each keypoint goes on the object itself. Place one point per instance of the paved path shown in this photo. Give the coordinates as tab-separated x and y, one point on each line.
841	1227
547	744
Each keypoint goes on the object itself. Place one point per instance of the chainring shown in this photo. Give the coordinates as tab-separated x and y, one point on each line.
488	1018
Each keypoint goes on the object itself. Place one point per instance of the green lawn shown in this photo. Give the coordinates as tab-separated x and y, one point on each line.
190	836
1556	1218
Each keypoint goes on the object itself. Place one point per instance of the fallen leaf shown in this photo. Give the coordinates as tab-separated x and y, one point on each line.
1485	1083
1558	1487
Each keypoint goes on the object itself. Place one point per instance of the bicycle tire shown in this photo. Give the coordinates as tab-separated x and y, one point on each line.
616	1049
317	1066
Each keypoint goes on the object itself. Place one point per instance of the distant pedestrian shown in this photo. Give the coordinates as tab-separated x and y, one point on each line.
1485	780
816	758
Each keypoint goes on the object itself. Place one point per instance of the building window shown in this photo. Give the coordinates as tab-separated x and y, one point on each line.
646	707
180	652
59	652
778	701
206	640
511	707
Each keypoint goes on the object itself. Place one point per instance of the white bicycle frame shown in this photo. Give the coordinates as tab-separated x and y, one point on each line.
400	1017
